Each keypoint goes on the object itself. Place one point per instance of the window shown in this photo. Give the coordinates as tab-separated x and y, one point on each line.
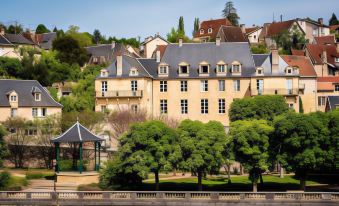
321	101
134	108
236	85
204	68
134	85
289	86
44	112
260	71
236	67
34	112
133	72
163	70
30	132
204	106
183	69
103	108
222	108
183	86
103	88
163	106
13	98
163	86
14	112
202	31
221	68
260	86
336	87
184	106
221	85
288	70
210	30
291	105
104	73
37	96
255	36
204	85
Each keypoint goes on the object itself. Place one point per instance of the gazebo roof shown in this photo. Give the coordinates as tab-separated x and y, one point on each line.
77	133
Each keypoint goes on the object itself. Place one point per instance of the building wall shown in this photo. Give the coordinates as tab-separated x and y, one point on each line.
309	96
325	94
26	112
255	34
8	52
152	45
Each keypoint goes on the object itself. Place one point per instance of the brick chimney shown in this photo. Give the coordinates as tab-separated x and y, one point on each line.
321	21
243	28
180	42
119	65
275	59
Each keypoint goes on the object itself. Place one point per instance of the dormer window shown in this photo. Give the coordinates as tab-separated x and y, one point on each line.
133	72
13	98
210	30
221	67
104	73
202	31
260	71
236	67
183	68
289	70
163	69
204	68
37	96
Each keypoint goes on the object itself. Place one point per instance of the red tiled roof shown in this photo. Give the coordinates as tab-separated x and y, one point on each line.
278	27
303	63
325	86
162	49
322	40
250	30
316	51
334	79
334	27
298	52
215	25
232	34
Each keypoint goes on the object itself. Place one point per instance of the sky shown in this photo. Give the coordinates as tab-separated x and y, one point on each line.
142	18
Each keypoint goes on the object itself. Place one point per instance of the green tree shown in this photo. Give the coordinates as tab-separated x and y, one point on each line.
11	67
69	51
259	49
196	26
96	36
40	29
202	147
333	20
230	13
251	142
55	29
181	26
259	107
301	107
84	39
15	29
3	146
303	142
288	40
333	150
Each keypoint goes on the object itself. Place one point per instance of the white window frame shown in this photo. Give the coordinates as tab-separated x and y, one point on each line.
163	70
289	86
221	68
163	86
236	85
204	106
43	112
238	66
134	85
221	85
321	101
35	112
37	97
187	69
13	98
201	68
184	106
163	106
183	86
204	85
133	72
222	106
260	86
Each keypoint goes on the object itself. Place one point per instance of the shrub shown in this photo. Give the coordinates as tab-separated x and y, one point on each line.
34	175
4	179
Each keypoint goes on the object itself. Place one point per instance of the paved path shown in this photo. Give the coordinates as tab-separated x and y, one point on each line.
48	185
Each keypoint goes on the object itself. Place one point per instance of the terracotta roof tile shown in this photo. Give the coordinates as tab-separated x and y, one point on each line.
232	34
250	30
334	27
298	52
325	86
162	49
215	25
303	63
278	27
325	40
316	51
334	79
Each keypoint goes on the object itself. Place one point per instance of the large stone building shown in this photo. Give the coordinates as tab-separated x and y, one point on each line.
199	81
26	99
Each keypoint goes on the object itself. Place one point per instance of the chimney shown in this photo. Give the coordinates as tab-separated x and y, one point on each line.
2	30
113	45
243	29
324	56
119	65
158	56
180	42
217	41
275	59
321	21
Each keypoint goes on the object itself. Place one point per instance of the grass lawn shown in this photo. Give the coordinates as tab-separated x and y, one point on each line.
16	183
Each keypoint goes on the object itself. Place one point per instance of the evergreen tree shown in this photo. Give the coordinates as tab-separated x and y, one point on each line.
333	20
181	27
55	29
196	26
96	36
40	29
230	13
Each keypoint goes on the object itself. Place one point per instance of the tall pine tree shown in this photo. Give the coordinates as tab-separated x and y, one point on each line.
230	13
196	26
181	27
333	20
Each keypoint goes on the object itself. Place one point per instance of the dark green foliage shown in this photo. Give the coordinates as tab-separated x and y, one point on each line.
14	29
196	26
259	107
259	49
3	146
333	20
10	67
301	108
96	36
4	180
230	13
288	40
178	33
70	51
40	29
181	27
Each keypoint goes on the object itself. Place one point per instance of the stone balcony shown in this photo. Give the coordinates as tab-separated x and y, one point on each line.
119	93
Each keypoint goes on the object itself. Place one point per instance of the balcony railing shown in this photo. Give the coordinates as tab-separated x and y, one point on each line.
120	93
281	91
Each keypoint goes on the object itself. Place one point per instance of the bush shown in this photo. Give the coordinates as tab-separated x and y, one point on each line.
67	165
34	175
4	179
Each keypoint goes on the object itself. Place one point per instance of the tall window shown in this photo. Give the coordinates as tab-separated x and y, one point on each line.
221	68
103	88
336	87
184	106
204	106
163	106
163	86
260	86
289	86
183	86
204	85
236	85
134	108
321	101
44	112
14	112
34	112
37	96
222	107
221	85
13	98
134	85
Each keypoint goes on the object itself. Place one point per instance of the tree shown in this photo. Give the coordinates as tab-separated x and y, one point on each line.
259	107
288	40
303	142
202	147
333	150
11	67
55	29
40	29
70	51
15	29
147	148
196	26
301	108
3	146
251	142
178	33
228	156
230	13
181	27
84	39
96	36
333	20
259	49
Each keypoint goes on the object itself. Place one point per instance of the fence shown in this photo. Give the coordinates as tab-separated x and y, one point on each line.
164	198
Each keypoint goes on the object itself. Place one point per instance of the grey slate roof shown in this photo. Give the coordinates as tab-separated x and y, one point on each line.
265	61
24	89
47	40
18	39
4	41
332	102
106	50
77	133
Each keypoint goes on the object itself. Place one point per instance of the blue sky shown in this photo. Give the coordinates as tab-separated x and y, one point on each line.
132	18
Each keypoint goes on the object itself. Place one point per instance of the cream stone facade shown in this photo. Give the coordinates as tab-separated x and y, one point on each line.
313	29
150	44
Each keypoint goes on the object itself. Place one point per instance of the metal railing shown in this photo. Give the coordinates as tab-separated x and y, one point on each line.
120	93
281	91
104	197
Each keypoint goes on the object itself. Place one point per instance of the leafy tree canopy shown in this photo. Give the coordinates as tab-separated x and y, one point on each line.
84	38
40	29
230	13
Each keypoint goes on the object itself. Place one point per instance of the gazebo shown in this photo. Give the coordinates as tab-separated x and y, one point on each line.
78	134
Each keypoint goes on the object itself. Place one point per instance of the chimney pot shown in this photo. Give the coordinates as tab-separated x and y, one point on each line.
217	41
321	21
180	42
